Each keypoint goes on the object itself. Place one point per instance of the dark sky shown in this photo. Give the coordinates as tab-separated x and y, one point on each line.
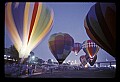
68	18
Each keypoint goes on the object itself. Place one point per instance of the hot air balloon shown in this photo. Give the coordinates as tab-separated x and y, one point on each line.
83	60
27	23
76	48
100	25
60	45
92	60
90	48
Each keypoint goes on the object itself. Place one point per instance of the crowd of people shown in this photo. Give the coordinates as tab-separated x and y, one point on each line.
16	70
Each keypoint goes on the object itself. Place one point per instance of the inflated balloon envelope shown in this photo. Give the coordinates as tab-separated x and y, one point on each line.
76	48
100	25
83	60
93	60
60	45
90	48
27	23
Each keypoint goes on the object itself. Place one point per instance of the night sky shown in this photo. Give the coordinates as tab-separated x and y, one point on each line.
68	18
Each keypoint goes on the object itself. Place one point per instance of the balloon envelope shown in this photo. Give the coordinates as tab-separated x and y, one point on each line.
92	61
90	48
27	23
60	45
100	25
83	60
76	48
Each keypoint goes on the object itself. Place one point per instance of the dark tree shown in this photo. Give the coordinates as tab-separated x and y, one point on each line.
49	61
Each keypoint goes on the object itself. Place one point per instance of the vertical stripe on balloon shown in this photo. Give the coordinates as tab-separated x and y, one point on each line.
33	19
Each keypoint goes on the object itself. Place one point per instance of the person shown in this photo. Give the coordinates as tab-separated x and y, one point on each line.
30	70
51	70
33	68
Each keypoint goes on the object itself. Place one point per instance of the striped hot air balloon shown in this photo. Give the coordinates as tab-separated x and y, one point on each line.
90	48
60	45
27	23
100	25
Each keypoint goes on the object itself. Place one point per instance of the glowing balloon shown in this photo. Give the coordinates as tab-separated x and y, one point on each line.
76	48
90	48
28	23
100	25
92	60
60	45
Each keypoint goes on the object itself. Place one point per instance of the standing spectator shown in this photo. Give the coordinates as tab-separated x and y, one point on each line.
30	70
51	70
33	68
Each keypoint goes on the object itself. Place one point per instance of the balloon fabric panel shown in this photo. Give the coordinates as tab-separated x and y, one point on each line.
17	13
103	24
105	27
90	34
59	42
109	13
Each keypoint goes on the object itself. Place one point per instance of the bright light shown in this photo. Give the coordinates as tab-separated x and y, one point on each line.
71	62
114	66
75	62
106	59
5	58
33	57
63	61
76	53
52	60
86	65
68	60
23	53
8	56
96	65
9	59
45	62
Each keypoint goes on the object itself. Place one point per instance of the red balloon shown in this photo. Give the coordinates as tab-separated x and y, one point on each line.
76	48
